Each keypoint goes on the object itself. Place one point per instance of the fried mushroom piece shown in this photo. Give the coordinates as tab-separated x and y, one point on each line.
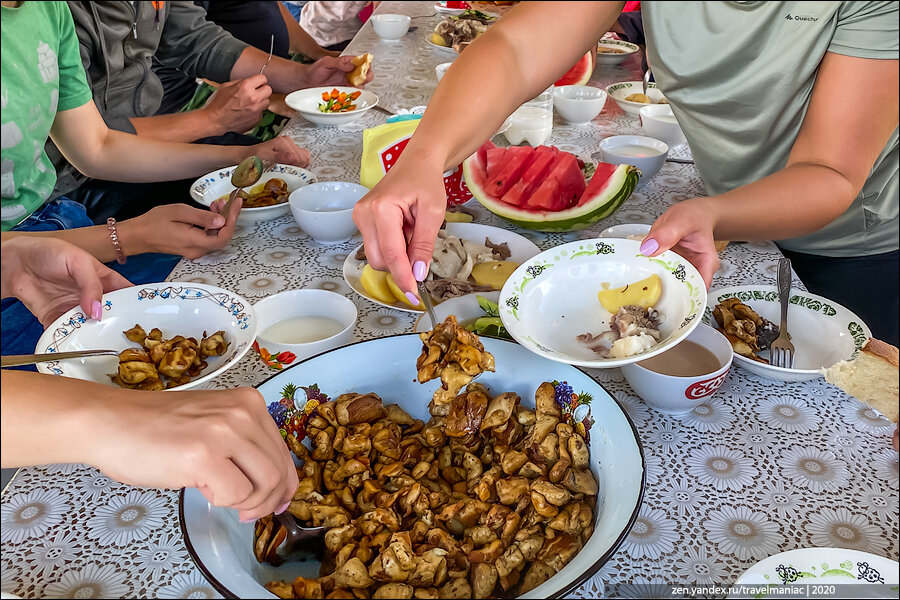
136	334
214	345
453	354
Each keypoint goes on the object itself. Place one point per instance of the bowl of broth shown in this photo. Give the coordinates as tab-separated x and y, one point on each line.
645	153
304	322
682	377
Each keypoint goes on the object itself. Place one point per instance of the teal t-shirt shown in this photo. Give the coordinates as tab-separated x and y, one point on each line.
42	74
739	77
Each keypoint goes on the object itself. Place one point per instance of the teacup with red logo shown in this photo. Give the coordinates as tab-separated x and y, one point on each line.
679	379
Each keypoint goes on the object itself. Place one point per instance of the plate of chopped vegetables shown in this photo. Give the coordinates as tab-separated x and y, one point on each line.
332	106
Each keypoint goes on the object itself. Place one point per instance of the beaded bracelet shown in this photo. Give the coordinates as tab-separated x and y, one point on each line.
114	238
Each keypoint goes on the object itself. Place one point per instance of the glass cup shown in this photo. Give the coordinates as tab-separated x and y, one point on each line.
532	123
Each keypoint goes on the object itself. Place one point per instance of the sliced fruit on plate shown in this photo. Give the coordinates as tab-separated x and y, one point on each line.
376	285
549	194
581	73
493	272
644	293
399	296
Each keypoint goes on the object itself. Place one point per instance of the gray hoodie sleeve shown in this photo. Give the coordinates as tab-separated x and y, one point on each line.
196	46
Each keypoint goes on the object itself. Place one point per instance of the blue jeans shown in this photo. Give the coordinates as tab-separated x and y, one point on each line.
19	329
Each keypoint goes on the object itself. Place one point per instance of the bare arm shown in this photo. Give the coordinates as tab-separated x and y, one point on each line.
223	443
301	41
500	70
178	127
843	132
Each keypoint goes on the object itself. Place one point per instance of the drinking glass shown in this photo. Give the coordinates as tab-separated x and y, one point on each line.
532	123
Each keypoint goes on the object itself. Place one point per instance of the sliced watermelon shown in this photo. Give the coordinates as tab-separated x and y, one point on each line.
507	172
531	179
610	186
561	188
581	73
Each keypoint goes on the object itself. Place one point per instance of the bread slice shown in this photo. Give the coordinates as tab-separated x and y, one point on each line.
357	76
872	377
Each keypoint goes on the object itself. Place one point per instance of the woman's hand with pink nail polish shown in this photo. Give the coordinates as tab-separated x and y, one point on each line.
686	228
51	276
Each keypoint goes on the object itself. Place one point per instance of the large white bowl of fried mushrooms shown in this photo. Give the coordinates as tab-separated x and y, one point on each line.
439	465
172	335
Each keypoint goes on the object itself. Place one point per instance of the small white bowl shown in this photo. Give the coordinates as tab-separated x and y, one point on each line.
618	92
679	395
306	103
658	121
578	103
176	308
324	210
212	186
304	303
441	69
613	150
390	27
625	49
628	231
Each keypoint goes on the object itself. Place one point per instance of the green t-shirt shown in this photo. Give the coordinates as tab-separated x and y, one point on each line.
41	74
739	76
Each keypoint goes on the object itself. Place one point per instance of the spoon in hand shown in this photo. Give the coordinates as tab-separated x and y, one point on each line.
244	175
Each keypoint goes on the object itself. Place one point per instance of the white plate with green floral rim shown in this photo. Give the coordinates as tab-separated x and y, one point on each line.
552	298
823	332
819	572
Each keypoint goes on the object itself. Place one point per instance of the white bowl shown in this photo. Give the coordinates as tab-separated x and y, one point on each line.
613	150
176	308
324	210
823	332
628	231
614	58
464	308
551	299
680	395
306	103
578	103
658	121
390	27
222	546
618	92
441	69
212	186
276	309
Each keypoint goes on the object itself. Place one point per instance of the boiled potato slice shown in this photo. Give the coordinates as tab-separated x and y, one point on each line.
458	217
376	285
399	295
439	40
644	293
493	272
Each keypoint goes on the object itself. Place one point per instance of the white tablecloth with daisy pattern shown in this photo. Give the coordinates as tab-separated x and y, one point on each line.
761	467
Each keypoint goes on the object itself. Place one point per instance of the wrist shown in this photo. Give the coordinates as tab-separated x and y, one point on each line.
208	122
132	240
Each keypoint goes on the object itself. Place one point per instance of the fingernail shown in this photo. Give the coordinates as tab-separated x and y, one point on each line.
219	221
420	270
96	310
412	298
283	508
649	247
246	520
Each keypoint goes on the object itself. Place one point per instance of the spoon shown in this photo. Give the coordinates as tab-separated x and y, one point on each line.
646	80
30	359
271	50
244	175
300	541
426	300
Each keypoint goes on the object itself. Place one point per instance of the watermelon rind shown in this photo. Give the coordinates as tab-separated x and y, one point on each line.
618	188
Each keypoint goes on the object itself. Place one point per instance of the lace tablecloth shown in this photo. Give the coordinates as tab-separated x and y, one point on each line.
760	468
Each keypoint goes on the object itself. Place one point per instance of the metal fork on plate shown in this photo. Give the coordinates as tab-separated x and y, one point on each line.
781	351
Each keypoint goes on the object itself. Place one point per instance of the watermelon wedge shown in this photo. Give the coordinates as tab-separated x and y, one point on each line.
503	174
581	73
549	193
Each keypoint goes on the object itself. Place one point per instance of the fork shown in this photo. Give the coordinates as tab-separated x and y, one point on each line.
781	351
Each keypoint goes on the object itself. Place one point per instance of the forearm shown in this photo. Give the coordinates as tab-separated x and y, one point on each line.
284	76
502	69
795	201
300	41
80	410
95	240
178	127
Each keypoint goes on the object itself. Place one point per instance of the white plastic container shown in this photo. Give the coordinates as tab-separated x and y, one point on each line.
532	123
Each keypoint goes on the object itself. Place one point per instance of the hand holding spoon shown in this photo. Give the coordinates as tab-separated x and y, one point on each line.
244	175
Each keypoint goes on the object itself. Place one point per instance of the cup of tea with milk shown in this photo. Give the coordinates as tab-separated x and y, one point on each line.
681	378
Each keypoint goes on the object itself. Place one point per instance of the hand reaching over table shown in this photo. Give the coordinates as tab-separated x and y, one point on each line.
222	442
179	229
399	221
686	228
281	149
238	105
51	276
329	70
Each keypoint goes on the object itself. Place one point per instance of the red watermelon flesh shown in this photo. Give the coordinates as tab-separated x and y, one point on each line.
561	188
531	179
598	181
494	158
518	159
581	73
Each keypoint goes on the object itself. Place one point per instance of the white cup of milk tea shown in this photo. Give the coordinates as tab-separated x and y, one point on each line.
658	121
532	123
647	154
